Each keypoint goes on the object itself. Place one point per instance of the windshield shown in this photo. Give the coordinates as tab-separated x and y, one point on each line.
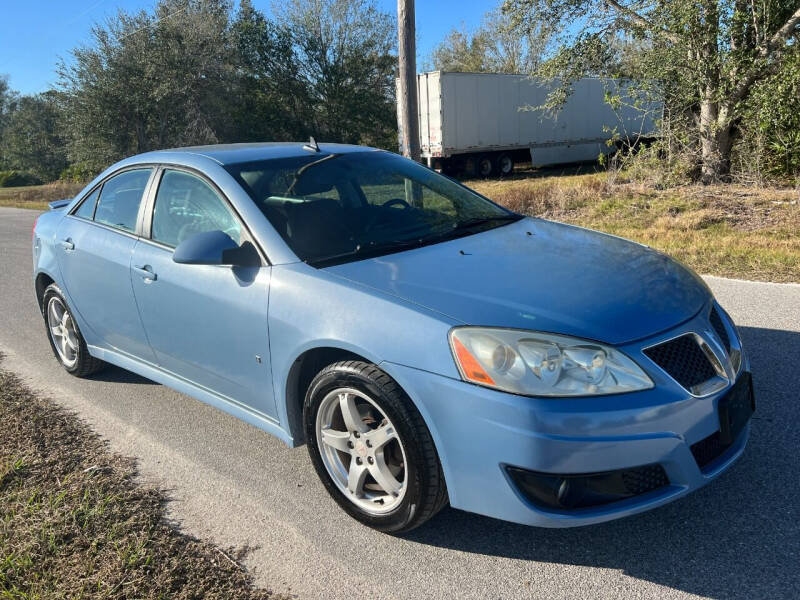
335	208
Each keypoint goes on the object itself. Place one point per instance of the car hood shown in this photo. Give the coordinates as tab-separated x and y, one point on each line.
545	276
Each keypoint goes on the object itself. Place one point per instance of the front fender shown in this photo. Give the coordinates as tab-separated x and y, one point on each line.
309	308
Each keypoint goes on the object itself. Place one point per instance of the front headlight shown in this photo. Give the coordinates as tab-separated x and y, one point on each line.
543	364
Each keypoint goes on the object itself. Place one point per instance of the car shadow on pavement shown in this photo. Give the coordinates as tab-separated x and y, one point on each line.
114	374
737	537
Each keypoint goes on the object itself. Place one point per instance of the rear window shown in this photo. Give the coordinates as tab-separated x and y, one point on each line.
120	199
86	209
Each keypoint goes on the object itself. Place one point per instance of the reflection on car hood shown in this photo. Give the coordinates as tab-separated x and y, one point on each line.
544	276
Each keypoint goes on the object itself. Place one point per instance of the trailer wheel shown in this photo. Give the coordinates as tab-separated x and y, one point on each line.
505	165
484	166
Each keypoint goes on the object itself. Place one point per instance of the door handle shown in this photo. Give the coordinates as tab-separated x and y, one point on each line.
67	245
146	272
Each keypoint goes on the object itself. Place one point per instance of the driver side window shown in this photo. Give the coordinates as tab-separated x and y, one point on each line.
186	205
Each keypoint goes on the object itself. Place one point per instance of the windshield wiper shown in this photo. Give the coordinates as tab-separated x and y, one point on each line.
475	221
375	248
299	173
465	227
369	249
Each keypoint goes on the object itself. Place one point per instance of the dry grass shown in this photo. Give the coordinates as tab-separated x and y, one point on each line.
727	230
74	524
37	196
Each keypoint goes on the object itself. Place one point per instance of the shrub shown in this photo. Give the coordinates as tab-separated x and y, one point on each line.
658	165
17	178
77	173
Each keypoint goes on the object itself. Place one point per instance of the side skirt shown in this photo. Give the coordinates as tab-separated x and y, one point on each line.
185	386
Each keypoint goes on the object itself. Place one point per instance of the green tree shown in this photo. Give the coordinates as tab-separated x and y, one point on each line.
194	72
151	81
273	101
771	123
497	46
346	65
7	97
461	51
31	139
706	55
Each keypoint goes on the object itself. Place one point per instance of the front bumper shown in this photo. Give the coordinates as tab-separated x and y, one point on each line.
479	432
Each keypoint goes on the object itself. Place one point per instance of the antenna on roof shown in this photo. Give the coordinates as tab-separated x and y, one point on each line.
311	145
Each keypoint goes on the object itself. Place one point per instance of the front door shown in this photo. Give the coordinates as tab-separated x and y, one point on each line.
206	324
95	245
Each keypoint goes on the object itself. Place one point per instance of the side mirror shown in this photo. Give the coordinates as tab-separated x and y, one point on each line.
207	248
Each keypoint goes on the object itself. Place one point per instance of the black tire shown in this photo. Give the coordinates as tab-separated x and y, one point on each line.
85	364
426	492
504	165
485	166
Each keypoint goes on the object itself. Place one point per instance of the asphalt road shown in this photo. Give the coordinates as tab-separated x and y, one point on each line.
737	538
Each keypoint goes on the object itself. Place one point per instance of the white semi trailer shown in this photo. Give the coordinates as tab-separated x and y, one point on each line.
482	122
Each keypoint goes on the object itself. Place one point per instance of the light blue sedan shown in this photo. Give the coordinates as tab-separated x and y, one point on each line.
426	344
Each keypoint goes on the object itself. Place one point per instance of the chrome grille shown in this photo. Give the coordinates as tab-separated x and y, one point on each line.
683	360
719	327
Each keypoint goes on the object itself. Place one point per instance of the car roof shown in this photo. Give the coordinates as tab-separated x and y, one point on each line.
226	154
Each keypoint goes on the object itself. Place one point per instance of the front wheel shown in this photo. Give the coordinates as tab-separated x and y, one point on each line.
371	448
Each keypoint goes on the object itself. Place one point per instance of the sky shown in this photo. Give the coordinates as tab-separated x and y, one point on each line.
35	33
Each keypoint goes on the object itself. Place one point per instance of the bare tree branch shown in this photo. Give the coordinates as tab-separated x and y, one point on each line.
639	20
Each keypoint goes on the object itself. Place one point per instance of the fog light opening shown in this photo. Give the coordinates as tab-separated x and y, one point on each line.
574	491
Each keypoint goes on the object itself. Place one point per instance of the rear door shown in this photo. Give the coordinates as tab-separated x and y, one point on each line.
206	324
95	244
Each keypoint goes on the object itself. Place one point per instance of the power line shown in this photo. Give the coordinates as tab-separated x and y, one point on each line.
85	12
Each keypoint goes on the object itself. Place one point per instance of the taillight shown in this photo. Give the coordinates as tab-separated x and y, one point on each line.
33	230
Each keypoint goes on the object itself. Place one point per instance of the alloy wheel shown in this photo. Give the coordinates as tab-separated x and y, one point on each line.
361	450
62	331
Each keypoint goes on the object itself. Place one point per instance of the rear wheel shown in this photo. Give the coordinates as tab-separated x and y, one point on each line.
65	338
505	165
371	448
484	166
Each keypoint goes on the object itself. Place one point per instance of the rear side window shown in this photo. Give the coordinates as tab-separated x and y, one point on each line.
120	198
187	205
86	209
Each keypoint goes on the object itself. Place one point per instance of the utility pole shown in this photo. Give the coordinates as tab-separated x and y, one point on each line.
407	111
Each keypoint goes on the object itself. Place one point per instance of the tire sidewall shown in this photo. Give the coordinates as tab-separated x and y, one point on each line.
53	291
479	166
500	161
326	382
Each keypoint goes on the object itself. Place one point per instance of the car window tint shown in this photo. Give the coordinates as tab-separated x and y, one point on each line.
120	198
431	200
337	206
281	183
186	205
331	194
86	209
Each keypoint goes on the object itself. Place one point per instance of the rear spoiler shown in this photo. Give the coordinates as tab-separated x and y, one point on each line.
56	204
